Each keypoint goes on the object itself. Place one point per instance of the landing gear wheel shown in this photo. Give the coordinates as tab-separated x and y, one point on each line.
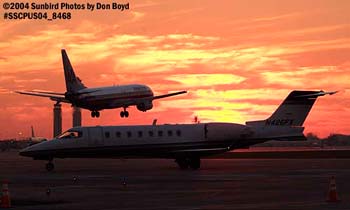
97	114
195	163
182	162
124	114
50	166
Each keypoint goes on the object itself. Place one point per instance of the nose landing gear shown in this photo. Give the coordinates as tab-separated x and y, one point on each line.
124	113
49	166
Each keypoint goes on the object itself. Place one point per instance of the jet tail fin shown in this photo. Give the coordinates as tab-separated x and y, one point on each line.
73	83
293	110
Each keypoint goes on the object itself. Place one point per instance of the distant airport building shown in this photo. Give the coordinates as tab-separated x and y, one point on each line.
57	119
76	116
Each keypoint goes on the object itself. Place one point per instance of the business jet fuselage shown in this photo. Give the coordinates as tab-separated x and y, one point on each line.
186	143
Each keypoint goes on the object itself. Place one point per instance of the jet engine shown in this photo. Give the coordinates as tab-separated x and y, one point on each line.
144	106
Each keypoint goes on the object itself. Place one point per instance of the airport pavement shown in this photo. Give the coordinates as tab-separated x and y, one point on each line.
159	184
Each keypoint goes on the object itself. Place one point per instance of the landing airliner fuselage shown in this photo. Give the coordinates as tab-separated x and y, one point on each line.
114	96
97	99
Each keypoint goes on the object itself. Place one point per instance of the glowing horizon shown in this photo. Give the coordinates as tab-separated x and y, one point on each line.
238	61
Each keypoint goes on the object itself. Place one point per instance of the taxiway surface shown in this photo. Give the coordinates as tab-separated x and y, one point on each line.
159	184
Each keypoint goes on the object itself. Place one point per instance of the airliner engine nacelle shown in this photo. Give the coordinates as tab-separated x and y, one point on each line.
147	105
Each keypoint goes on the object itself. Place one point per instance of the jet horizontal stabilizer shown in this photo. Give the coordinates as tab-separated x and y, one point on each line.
321	93
168	95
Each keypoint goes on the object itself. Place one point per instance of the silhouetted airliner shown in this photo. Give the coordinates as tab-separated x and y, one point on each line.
186	143
35	139
97	99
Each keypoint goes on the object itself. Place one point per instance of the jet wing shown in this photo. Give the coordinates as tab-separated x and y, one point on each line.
201	152
59	97
169	95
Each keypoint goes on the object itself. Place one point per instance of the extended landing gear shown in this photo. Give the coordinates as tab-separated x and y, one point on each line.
124	113
95	114
50	166
194	163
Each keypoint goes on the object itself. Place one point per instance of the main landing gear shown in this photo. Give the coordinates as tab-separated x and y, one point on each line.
95	114
194	163
124	113
49	166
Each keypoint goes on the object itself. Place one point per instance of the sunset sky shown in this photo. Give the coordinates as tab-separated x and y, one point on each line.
237	58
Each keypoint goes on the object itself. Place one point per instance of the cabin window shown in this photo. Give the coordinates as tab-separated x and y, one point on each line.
140	134
170	133
178	133
160	133
70	135
150	133
129	134
107	134
117	134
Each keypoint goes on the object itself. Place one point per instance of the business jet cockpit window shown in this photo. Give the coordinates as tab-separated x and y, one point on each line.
70	135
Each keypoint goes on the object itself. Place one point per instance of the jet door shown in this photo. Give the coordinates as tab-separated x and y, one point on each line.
95	136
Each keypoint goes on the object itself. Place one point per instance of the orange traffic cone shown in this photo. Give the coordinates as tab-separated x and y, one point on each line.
5	199
332	192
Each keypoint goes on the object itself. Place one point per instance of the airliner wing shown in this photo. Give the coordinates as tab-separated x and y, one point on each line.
45	92
59	97
169	95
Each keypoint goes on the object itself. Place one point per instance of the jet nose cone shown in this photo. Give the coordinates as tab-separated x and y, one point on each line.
37	151
32	150
26	152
